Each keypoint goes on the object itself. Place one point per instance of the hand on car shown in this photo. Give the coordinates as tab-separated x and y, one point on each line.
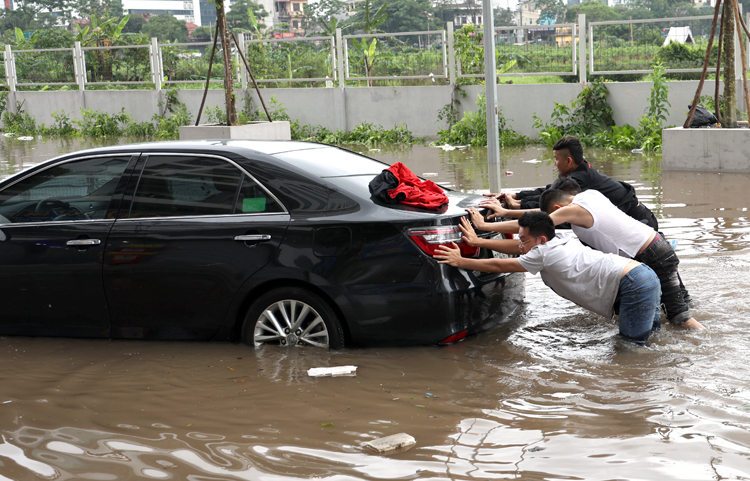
470	237
511	201
476	218
448	255
496	207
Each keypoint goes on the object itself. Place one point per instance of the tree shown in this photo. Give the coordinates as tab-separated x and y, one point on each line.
407	15
166	27
323	11
203	34
135	24
100	8
503	17
238	18
595	12
552	11
34	15
368	22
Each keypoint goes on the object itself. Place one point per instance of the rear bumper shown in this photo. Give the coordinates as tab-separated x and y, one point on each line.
430	309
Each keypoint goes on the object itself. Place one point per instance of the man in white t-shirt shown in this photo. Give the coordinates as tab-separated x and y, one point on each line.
592	279
601	225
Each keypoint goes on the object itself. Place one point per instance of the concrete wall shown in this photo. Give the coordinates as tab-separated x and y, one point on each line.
337	108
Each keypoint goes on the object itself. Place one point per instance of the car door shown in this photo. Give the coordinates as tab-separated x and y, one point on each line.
196	228
53	228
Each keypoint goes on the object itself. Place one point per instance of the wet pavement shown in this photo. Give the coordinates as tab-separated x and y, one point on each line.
551	394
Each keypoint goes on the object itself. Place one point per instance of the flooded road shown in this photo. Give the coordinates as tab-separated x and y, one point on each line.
551	394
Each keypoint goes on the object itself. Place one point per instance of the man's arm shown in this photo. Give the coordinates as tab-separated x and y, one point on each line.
507	227
573	214
451	255
506	246
500	211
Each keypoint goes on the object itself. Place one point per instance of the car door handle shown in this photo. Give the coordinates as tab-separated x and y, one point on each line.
252	237
83	242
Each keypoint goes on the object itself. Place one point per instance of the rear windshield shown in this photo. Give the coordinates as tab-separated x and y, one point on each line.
333	162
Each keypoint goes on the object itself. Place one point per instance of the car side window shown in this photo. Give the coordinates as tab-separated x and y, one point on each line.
76	190
254	199
186	186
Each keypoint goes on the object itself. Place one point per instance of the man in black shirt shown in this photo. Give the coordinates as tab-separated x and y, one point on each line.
569	162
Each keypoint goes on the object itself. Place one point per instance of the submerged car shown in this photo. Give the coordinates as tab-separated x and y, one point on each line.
268	242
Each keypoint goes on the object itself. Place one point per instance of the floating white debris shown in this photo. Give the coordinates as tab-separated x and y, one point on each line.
9	134
430	174
25	138
447	147
391	443
332	371
374	150
532	161
508	172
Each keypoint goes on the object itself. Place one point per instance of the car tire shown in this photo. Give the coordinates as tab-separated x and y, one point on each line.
292	317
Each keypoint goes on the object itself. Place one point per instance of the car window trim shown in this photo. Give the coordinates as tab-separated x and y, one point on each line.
147	154
183	217
75	159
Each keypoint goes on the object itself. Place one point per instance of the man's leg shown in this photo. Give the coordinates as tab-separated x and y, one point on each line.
639	304
662	259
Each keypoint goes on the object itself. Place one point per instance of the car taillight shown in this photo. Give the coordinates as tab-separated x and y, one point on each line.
459	336
429	238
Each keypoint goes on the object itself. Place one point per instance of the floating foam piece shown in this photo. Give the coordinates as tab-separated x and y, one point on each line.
332	371
401	441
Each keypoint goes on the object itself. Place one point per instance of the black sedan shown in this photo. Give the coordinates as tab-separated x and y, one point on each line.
265	242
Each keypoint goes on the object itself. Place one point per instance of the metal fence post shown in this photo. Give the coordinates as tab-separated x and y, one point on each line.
10	68
79	66
242	41
340	59
156	66
582	48
451	55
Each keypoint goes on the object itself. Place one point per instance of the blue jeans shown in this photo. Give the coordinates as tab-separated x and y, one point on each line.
662	259
639	299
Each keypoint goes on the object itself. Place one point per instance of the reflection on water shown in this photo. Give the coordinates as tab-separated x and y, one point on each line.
552	394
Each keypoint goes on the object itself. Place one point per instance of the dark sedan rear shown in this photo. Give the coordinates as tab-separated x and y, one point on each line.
267	242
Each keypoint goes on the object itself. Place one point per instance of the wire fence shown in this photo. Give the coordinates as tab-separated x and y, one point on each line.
307	61
187	63
127	65
389	56
44	67
634	47
614	48
521	51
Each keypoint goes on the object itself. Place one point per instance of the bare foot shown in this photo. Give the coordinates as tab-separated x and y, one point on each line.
692	324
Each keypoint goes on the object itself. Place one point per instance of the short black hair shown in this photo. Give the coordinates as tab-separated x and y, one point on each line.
539	224
550	197
572	145
566	184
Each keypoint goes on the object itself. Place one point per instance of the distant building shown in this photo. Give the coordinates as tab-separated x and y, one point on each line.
527	14
289	12
186	10
468	13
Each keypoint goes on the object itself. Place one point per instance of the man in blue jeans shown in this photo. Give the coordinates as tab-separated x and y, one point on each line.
591	279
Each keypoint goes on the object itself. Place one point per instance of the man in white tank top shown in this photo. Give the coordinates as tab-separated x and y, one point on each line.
592	279
601	225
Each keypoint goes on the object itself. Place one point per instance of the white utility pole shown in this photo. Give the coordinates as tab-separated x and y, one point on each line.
490	84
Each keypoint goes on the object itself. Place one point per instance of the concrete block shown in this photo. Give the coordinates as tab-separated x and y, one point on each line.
706	150
253	131
395	442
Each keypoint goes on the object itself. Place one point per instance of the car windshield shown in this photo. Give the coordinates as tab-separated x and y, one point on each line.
332	162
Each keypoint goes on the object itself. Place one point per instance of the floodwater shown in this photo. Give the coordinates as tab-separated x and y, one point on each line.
551	394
